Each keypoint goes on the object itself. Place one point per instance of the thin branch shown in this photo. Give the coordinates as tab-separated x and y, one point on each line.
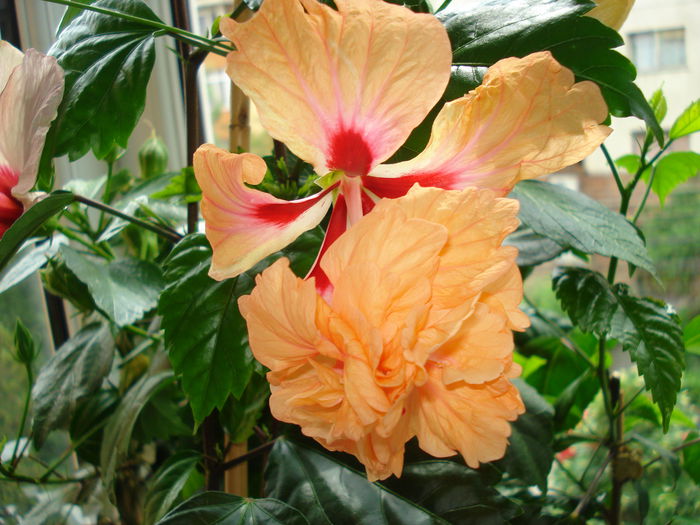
613	169
674	449
166	234
591	488
248	455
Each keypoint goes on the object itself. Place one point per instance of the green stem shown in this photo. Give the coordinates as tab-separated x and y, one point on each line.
613	168
143	333
105	197
628	403
191	38
70	450
569	474
172	237
674	449
90	246
23	421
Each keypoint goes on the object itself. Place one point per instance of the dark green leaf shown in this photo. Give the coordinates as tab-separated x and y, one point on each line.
239	416
672	170
31	256
182	185
124	289
483	33
654	340
29	222
529	456
329	492
218	508
454	492
117	433
167	484
91	413
60	281
76	370
533	249
691	457
108	63
587	297
572	219
687	123
70	14
205	334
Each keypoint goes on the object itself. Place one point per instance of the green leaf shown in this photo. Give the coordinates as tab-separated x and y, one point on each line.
691	336
570	218
167	484
529	456
453	491
484	33
533	249
654	340
630	163
586	296
92	412
124	289
659	105
691	458
239	416
205	335
219	508
70	14
108	63
75	371
687	123
29	222
117	433
29	258
182	185
329	492
672	170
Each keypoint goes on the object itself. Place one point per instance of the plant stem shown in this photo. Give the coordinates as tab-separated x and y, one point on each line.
613	168
591	488
23	421
674	449
74	445
248	455
97	250
186	36
166	234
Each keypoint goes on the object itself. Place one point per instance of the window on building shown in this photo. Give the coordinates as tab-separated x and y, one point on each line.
654	50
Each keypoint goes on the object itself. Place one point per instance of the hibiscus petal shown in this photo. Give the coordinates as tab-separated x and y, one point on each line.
245	225
527	119
612	13
332	86
10	58
464	418
27	106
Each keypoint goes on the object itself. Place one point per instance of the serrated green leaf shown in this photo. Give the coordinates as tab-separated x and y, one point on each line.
691	336
587	297
483	33
117	433
530	455
453	491
166	485
29	258
654	340
239	416
687	123
210	508
630	163
570	218
205	335
75	371
674	169
329	492
124	289
108	63
29	222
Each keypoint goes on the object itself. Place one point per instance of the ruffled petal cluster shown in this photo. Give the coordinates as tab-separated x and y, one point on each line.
31	87
344	88
415	338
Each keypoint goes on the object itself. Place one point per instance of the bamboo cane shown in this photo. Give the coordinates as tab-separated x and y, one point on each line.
236	478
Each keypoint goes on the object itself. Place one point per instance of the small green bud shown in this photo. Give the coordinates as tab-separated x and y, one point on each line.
153	157
25	349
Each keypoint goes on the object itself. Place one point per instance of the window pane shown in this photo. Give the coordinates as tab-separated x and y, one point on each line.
672	48
643	50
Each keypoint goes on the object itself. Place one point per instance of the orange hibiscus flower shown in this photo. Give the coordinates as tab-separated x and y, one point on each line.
415	338
344	88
